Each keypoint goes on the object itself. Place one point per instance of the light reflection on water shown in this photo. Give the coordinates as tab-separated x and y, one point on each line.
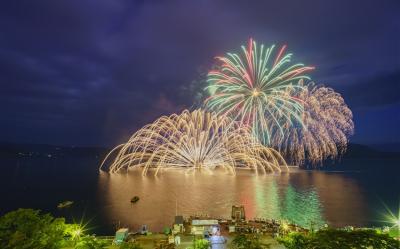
300	196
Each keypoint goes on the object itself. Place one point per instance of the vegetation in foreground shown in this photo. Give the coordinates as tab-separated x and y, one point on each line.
201	244
27	228
337	238
249	241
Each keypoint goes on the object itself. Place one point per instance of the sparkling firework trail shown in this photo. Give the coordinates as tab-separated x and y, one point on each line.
195	140
326	124
253	88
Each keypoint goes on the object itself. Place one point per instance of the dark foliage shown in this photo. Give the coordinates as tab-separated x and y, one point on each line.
335	238
248	241
27	228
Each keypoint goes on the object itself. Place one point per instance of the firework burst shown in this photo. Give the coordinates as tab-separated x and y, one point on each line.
326	124
195	140
253	88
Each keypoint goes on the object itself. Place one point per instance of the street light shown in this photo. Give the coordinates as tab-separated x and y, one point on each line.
76	233
394	220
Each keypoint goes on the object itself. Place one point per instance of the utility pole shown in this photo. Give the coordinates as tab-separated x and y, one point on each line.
176	207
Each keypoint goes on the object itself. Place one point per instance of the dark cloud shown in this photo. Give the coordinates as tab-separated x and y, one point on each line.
93	72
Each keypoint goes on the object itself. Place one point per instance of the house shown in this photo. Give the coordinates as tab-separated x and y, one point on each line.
238	213
121	235
178	225
199	227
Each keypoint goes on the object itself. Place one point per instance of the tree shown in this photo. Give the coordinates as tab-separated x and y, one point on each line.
201	244
294	241
128	245
336	238
249	241
90	242
27	228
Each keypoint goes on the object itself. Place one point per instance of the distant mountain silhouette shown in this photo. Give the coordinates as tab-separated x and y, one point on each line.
361	157
11	149
388	147
358	150
50	151
357	156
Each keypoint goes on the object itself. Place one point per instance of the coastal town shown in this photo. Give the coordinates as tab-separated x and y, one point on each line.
185	231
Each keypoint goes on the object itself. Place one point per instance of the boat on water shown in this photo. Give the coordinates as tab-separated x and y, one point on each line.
65	204
135	199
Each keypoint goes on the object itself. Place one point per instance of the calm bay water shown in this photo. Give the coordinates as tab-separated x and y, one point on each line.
102	200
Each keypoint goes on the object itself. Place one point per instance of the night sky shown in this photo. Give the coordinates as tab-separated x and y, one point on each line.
93	72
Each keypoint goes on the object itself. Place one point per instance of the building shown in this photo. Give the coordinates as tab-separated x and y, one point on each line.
199	227
238	213
178	225
121	235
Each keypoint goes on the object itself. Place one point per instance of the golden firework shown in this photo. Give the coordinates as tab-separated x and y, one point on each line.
197	140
